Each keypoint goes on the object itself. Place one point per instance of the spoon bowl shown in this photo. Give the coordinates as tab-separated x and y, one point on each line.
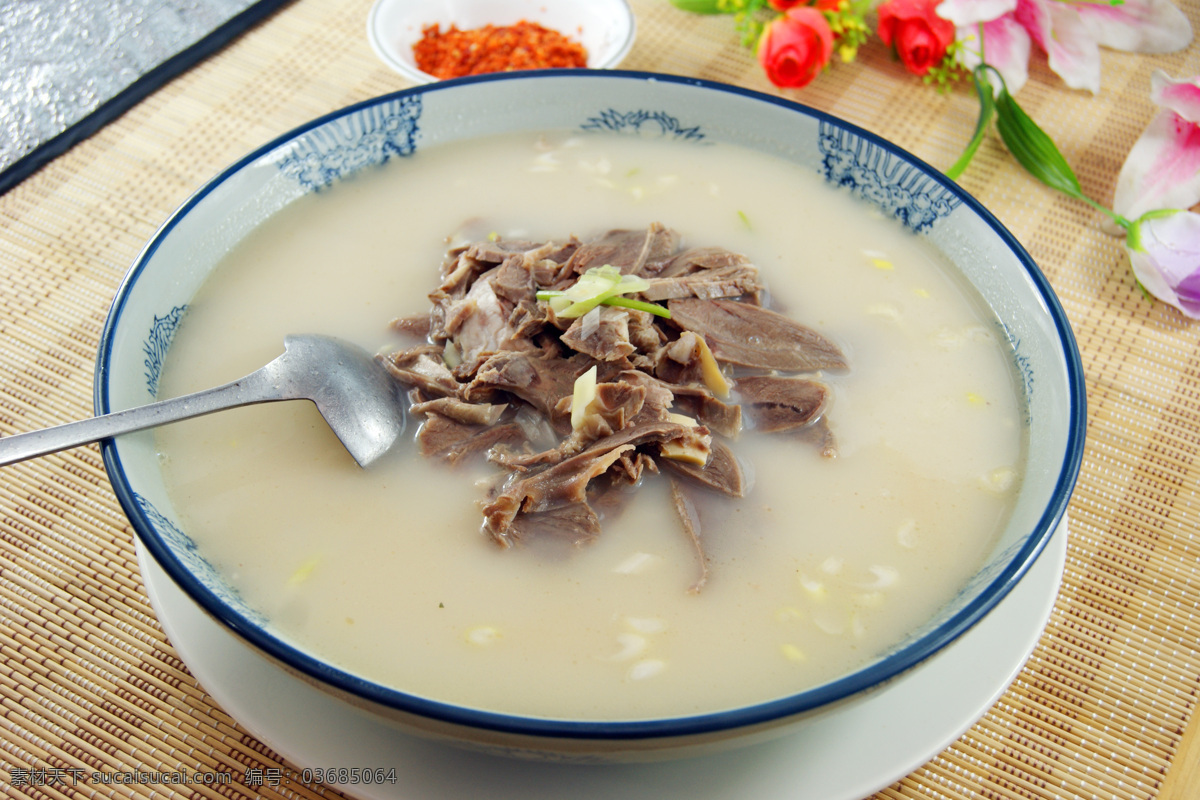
354	393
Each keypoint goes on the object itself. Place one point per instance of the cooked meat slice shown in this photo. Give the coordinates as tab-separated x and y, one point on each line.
528	318
627	250
417	326
685	349
561	485
693	399
694	259
458	273
722	474
643	333
422	367
659	396
614	408
699	402
554	252
512	280
527	263
629	468
566	482
452	441
540	379
525	461
706	284
478	324
751	336
617	405
607	341
515	285
550	273
783	404
457	410
679	361
576	521
690	519
496	251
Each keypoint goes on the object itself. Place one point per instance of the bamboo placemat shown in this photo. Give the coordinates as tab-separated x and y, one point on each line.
88	680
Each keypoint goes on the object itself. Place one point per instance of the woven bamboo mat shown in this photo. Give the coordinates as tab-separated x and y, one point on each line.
89	681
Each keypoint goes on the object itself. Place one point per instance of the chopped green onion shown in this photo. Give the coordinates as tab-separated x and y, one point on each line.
639	305
304	571
599	286
581	307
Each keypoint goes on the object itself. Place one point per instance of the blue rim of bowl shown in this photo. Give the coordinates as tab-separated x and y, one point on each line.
619	730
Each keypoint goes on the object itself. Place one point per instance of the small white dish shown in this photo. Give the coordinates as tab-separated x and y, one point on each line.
843	755
605	28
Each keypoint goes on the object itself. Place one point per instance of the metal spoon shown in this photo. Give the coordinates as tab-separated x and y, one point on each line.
353	392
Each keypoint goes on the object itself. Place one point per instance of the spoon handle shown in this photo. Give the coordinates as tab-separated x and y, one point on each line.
254	388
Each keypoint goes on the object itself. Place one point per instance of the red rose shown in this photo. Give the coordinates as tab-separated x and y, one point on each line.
795	46
784	5
918	34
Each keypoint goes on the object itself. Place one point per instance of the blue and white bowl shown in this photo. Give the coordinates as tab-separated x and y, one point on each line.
179	258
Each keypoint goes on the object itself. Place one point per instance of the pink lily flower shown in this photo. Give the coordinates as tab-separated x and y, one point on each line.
1070	32
1162	174
1163	168
1007	49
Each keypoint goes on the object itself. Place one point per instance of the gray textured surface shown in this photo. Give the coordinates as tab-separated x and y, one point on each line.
60	60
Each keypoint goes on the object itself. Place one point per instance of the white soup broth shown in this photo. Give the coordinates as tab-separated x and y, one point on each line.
384	572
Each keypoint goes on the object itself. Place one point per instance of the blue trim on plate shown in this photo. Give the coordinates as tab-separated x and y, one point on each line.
872	675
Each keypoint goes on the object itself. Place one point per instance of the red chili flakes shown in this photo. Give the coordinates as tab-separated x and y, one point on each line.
492	48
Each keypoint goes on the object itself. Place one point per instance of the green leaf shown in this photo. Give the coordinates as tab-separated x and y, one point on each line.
987	109
1030	145
1033	148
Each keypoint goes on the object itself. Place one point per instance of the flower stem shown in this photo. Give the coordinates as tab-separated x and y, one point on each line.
1108	212
987	109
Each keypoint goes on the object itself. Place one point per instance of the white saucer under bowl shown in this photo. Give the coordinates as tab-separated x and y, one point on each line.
844	755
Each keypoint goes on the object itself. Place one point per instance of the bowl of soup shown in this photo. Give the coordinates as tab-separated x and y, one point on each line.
725	412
